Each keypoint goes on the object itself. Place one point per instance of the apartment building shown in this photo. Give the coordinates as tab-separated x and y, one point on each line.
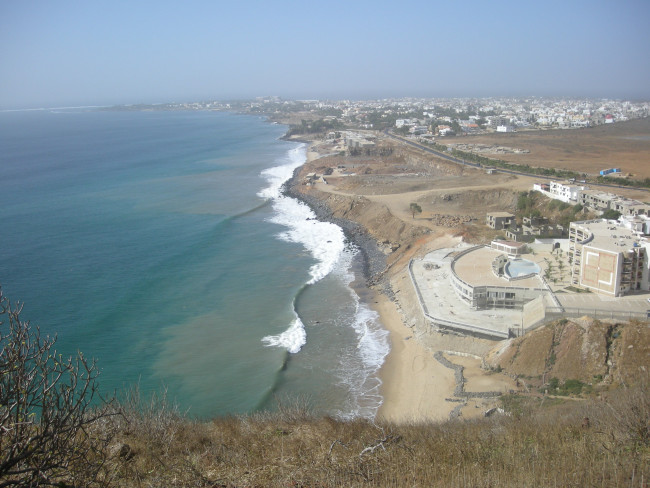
607	257
601	201
629	208
566	192
598	200
532	227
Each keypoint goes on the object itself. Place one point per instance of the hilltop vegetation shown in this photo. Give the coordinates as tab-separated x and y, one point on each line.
537	445
137	442
533	204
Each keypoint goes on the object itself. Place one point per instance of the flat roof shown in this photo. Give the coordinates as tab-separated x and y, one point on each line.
438	296
599	193
609	236
569	185
475	268
516	244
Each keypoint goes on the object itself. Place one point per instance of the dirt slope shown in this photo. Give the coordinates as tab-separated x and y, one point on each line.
584	349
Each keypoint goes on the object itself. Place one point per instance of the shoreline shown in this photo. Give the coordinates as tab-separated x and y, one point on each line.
374	260
415	386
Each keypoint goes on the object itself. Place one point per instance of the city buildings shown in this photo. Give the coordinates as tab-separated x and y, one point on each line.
597	200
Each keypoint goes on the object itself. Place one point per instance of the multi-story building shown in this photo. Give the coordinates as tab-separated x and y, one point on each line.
568	193
608	257
532	227
629	208
601	201
500	220
598	200
485	278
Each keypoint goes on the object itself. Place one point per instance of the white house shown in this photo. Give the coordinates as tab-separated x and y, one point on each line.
568	193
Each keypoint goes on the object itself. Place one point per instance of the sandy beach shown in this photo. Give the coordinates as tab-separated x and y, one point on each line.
416	386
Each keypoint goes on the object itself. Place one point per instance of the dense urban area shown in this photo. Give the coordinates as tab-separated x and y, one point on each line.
460	115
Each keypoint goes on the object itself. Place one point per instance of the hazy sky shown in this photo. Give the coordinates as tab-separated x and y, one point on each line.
57	53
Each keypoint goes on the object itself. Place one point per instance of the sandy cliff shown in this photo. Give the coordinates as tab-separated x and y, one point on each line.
594	352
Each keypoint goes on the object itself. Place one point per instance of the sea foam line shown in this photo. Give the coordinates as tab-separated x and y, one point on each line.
360	373
323	240
326	242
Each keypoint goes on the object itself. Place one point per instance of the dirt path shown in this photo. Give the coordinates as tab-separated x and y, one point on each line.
398	204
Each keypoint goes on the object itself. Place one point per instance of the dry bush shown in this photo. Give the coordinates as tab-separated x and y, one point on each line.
52	432
545	447
624	419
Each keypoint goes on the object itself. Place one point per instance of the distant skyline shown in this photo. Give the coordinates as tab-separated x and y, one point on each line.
72	53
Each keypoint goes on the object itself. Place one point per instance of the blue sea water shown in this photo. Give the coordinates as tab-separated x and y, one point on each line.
160	244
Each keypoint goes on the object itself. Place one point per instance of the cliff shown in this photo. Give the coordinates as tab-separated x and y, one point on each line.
593	352
383	238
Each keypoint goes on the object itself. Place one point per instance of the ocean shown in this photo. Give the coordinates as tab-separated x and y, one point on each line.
160	244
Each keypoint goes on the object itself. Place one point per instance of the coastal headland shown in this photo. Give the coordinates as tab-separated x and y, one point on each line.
428	375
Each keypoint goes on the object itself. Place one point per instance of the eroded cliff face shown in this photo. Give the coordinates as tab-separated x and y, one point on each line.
394	235
583	349
387	238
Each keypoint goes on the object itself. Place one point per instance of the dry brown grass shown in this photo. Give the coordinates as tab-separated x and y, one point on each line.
624	145
535	446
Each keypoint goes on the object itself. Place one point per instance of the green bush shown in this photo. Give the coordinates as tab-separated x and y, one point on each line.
573	387
611	214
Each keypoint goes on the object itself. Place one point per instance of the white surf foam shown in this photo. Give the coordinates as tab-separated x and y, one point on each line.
326	243
323	240
291	339
360	373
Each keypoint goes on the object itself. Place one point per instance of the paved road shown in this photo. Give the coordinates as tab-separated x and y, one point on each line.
432	151
503	170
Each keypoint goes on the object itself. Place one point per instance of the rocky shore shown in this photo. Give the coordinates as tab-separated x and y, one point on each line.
373	258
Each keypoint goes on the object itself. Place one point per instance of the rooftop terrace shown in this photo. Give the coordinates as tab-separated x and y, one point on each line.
608	236
475	269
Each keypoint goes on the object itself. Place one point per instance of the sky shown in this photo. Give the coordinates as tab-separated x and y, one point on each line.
73	53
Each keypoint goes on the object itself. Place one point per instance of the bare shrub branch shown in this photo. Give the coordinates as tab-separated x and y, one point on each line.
46	409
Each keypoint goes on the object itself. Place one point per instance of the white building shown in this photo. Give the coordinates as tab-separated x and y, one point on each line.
566	192
608	258
639	224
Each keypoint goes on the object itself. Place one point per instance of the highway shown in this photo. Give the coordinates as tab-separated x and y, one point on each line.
502	170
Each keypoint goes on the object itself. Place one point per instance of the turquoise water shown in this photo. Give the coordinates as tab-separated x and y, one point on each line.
520	267
159	243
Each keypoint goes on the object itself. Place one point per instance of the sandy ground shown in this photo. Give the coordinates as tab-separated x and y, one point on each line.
415	385
624	145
